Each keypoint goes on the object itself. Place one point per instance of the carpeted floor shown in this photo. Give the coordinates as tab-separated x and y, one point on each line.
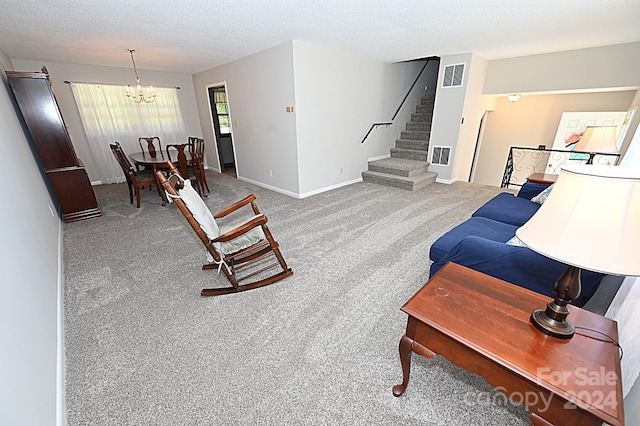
319	348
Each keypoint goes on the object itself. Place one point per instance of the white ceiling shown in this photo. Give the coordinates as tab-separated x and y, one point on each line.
189	36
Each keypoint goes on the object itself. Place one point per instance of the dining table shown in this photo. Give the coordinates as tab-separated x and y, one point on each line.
156	162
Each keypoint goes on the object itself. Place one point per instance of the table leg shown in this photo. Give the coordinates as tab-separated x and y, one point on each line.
405	361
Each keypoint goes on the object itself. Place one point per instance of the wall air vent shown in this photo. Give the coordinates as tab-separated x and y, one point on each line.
453	75
440	155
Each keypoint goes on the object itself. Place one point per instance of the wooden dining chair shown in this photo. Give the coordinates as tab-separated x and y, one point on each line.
176	154
198	158
245	250
136	179
150	144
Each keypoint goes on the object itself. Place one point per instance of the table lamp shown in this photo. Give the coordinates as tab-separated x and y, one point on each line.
591	220
597	140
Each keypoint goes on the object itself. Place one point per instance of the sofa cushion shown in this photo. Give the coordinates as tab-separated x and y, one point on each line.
517	265
478	226
507	208
530	189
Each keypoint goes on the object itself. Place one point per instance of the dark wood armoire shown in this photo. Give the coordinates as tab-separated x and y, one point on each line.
67	176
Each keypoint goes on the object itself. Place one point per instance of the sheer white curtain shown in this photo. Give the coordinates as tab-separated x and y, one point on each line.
108	116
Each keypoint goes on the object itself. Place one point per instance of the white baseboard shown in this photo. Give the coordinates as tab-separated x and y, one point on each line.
446	181
329	188
303	195
269	187
61	412
380	157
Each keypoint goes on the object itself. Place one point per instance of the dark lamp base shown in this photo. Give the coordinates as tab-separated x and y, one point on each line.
559	329
553	320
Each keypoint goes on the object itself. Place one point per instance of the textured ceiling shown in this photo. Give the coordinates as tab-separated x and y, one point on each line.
189	36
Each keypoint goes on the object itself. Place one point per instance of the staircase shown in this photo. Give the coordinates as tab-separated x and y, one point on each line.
407	166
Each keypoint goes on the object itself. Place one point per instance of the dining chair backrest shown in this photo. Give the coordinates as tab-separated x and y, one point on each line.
122	159
199	148
176	154
135	179
197	156
150	145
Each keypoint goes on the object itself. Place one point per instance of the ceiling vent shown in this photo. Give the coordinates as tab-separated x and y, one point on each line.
440	155
453	75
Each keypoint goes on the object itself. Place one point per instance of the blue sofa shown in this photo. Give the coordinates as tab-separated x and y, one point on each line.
480	243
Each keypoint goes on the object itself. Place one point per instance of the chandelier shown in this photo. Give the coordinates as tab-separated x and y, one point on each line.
139	94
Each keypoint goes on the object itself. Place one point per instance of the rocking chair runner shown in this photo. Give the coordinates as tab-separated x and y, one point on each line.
247	246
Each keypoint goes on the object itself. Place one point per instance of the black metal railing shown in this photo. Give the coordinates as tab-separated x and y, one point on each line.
390	122
523	161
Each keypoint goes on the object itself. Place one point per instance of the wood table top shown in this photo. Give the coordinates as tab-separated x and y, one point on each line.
491	317
145	159
542	178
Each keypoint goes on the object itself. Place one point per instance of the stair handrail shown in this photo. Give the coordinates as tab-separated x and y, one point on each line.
373	126
389	123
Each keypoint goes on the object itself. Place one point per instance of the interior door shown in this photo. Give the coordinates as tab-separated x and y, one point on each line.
221	119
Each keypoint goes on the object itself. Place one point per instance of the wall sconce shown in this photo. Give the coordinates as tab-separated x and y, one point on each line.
513	98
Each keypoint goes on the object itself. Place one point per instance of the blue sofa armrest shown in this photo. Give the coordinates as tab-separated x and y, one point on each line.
517	265
530	190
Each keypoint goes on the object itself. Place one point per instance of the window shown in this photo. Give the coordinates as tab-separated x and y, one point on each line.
108	116
222	109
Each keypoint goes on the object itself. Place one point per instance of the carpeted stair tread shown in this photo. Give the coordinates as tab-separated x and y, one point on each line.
421	116
399	166
409	183
421	135
417	145
409	154
407	168
418	125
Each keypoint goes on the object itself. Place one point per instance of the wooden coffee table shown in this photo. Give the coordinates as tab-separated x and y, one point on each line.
482	324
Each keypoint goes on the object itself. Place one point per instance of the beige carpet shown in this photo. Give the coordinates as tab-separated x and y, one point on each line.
319	348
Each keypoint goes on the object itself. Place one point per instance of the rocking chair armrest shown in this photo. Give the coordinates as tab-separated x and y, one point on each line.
242	229
235	206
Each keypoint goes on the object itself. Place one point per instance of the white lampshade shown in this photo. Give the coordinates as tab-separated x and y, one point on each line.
598	139
591	220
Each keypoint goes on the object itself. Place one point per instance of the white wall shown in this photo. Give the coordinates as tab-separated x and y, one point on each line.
31	358
338	97
259	88
594	69
59	72
447	115
475	105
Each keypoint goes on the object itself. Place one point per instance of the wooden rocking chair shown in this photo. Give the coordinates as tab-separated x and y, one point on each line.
241	251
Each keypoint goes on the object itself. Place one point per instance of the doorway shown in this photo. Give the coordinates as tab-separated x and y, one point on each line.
221	119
